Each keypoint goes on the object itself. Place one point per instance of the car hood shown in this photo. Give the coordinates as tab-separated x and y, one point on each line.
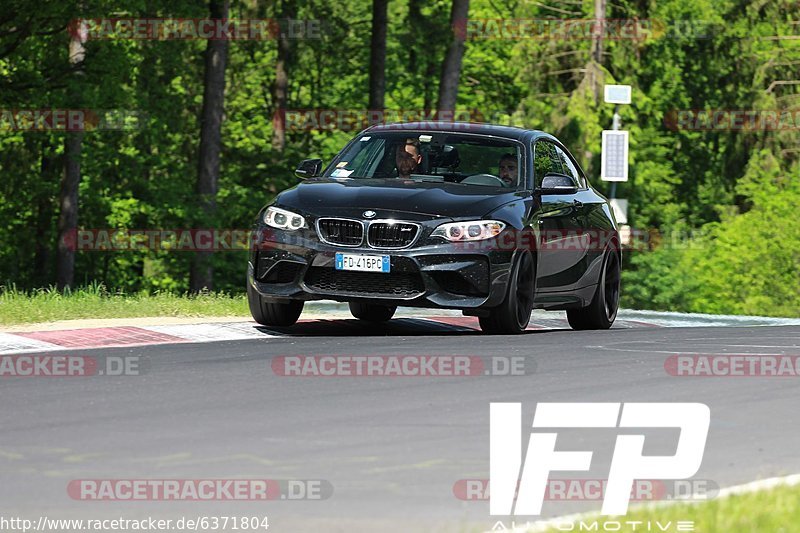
328	197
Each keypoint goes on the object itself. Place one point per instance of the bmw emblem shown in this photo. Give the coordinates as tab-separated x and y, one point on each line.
369	214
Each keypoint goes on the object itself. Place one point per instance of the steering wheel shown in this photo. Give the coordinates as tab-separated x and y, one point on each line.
483	179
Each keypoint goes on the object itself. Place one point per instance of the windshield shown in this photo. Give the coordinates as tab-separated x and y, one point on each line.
468	160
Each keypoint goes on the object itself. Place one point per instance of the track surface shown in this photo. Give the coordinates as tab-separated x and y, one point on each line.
391	447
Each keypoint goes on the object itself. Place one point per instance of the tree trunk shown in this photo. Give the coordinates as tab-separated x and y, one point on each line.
451	67
421	65
68	196
280	87
377	60
414	23
202	271
594	74
44	216
600	22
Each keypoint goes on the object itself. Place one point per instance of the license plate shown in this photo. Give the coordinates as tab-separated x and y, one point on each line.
364	263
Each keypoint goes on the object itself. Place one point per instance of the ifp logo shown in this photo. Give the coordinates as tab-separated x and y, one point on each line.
507	470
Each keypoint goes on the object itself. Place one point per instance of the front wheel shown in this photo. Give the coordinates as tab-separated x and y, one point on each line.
602	312
269	313
513	315
372	312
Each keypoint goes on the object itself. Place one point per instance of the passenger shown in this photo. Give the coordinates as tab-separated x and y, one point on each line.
408	158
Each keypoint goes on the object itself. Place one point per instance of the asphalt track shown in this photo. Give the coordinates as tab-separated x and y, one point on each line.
391	447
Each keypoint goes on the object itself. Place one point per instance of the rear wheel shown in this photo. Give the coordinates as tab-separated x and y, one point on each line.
602	312
372	312
271	313
513	315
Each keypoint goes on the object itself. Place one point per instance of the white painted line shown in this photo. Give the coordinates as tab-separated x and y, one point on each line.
674	319
746	488
10	343
761	484
211	332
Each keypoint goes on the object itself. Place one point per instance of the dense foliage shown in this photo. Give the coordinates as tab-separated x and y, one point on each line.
724	202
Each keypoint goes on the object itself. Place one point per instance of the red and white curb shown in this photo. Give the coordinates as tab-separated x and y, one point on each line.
124	336
114	337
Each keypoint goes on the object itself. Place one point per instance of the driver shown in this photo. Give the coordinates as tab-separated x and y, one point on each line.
408	158
508	169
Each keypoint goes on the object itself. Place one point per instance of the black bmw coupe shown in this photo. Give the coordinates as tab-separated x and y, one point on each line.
492	220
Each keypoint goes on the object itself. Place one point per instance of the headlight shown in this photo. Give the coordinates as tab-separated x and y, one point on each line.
474	230
283	219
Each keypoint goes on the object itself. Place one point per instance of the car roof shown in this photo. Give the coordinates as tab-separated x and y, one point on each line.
480	128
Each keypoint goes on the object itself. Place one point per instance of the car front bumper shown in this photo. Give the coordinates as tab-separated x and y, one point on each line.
296	267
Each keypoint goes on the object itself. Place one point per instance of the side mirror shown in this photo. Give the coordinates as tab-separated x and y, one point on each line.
555	183
309	168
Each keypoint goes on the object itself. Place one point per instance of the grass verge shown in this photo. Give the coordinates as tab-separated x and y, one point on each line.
47	305
774	510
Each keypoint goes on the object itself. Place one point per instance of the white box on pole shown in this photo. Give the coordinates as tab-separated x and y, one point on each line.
617	94
614	156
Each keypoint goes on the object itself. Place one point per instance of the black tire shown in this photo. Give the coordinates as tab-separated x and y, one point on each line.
602	312
512	316
271	313
372	312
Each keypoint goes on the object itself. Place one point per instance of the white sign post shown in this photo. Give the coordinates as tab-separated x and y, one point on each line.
614	154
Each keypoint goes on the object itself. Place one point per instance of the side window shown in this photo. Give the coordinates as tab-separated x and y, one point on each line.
569	167
545	159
